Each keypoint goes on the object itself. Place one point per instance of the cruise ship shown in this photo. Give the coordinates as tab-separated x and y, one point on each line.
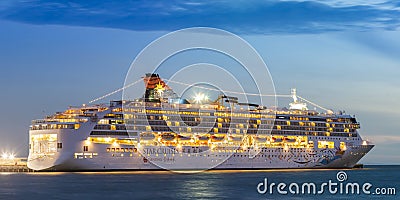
161	131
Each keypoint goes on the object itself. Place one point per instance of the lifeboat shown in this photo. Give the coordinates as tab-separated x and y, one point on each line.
217	138
168	136
184	138
203	138
276	139
289	139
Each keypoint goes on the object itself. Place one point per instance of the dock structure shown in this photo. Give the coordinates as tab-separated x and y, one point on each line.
14	165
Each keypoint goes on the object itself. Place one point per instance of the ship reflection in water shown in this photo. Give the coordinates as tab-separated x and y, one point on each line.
230	184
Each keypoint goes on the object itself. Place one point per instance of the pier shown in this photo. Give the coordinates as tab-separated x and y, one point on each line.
14	165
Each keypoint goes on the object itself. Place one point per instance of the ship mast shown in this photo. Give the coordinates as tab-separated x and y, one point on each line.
296	104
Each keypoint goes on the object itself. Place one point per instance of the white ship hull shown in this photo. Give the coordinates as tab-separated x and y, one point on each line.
98	159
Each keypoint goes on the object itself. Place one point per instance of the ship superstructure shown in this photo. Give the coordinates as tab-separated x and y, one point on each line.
163	131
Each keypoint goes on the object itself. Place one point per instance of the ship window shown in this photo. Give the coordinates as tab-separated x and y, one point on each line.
59	145
108	149
326	144
327	134
76	126
85	148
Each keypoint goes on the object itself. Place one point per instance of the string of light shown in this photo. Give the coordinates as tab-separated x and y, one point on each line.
114	92
314	104
243	93
231	92
207	88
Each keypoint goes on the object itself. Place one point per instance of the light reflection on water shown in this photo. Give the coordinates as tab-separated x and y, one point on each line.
199	188
213	184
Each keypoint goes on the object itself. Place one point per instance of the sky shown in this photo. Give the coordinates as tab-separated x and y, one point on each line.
340	54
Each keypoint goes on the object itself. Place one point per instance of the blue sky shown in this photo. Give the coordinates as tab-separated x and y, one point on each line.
340	54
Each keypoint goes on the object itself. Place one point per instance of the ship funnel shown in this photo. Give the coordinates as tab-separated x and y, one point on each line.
156	88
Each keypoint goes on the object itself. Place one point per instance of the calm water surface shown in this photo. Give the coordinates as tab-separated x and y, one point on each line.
205	185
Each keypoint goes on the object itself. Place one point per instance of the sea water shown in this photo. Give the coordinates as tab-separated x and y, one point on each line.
230	184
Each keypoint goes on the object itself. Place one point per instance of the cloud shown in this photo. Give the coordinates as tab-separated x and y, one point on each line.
251	16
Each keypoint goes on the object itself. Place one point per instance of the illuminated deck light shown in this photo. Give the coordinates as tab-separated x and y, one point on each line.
200	97
108	139
7	156
88	142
